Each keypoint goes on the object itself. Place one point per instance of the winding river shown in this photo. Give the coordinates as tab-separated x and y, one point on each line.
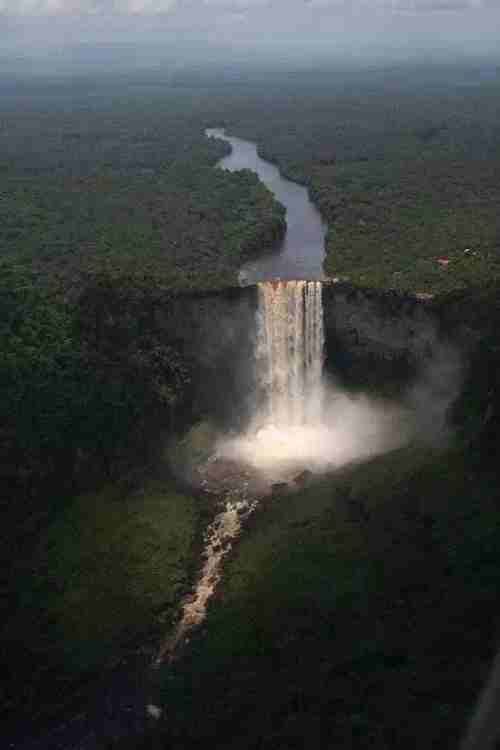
303	248
300	256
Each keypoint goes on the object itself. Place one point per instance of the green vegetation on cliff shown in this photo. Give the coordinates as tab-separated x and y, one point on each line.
83	384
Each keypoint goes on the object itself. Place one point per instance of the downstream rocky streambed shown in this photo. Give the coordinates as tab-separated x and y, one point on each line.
236	489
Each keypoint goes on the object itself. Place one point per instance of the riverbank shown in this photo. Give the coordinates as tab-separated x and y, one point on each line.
406	180
301	252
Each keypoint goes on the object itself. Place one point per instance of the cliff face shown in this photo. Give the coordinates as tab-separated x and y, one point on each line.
371	337
383	324
215	332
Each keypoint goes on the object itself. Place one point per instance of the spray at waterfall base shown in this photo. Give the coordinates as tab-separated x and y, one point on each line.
300	420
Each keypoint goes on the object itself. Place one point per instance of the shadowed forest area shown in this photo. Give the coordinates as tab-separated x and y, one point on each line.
368	598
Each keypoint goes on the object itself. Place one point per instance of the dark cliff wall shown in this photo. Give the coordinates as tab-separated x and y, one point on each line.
216	332
372	339
374	336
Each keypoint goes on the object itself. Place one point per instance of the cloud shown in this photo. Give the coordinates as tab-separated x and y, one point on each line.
237	5
85	7
186	7
426	6
416	6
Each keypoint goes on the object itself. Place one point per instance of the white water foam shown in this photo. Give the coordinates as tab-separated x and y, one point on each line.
300	422
289	352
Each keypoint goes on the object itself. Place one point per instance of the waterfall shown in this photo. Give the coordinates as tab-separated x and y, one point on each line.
288	434
289	352
300	422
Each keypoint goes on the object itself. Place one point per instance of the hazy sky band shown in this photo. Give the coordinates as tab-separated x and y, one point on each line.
190	9
295	29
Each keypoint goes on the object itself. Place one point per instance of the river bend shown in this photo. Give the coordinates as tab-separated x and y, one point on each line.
301	254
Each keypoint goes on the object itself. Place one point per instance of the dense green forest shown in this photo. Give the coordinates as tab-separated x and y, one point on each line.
125	185
110	206
403	165
104	203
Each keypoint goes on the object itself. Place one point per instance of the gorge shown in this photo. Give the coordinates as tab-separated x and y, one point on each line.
275	351
297	423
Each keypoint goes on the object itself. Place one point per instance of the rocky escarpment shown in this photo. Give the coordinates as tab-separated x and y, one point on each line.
371	337
215	331
374	335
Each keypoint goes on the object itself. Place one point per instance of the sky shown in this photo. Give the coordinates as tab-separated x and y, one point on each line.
286	29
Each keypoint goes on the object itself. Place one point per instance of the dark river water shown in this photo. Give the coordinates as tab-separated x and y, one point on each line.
303	249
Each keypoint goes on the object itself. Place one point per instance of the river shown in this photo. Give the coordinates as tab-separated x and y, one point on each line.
302	251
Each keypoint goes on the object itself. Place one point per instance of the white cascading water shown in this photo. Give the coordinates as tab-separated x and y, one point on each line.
289	371
287	433
289	352
299	421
